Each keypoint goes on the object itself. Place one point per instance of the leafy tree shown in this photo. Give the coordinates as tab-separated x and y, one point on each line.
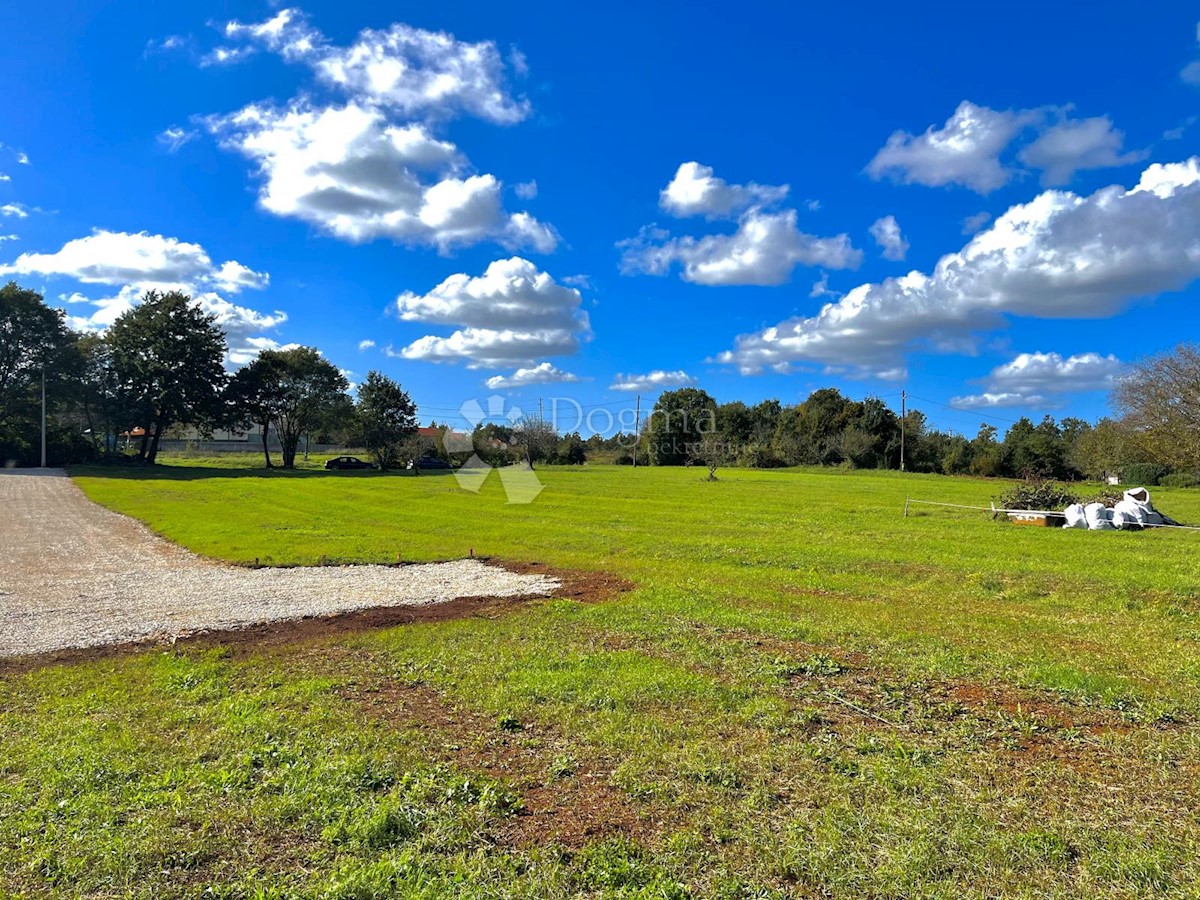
387	418
168	357
1100	451
305	388
572	450
537	436
987	456
253	397
957	455
678	424
1159	399
735	423
33	340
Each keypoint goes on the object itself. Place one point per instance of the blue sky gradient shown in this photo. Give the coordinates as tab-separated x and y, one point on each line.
149	144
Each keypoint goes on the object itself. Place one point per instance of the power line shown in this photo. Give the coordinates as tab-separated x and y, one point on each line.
963	410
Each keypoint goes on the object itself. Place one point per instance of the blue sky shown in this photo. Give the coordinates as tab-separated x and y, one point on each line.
557	200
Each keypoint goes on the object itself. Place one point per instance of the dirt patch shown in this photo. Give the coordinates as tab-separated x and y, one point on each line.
583	587
567	800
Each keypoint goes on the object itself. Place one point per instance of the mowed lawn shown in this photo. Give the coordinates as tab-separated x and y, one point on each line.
805	694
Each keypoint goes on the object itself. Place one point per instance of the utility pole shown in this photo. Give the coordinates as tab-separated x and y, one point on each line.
637	424
43	417
903	414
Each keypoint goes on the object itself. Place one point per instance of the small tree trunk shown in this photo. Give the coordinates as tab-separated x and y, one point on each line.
144	445
288	444
266	427
158	430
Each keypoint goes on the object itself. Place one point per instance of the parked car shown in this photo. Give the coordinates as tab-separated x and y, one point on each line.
429	462
348	462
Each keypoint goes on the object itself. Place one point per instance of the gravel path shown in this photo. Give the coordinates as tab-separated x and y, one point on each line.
74	574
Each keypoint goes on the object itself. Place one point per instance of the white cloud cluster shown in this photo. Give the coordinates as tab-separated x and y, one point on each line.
118	257
1058	256
370	167
286	33
764	249
348	170
695	191
651	381
138	262
967	149
511	315
406	69
1077	144
886	232
1031	378
542	373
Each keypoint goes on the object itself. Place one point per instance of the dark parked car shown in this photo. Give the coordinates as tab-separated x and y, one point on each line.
348	462
429	462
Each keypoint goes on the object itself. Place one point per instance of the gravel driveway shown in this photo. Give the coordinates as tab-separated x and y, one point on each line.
74	574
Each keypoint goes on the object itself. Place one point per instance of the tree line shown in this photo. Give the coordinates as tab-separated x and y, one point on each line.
160	366
1156	433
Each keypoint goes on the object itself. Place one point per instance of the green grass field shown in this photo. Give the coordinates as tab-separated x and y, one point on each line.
805	695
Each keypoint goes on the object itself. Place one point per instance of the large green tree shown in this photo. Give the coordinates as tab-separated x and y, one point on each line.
679	425
168	356
299	390
1159	399
34	340
253	397
387	419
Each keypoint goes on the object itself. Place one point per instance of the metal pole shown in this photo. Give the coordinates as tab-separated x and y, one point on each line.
637	423
43	417
903	413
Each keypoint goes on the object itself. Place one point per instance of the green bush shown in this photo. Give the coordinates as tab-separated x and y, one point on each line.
759	456
1179	480
1143	474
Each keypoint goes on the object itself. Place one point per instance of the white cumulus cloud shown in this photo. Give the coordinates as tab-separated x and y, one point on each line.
349	171
651	381
542	373
763	251
1063	149
695	191
118	257
409	70
365	345
1060	255
967	150
512	315
886	232
1030	378
138	262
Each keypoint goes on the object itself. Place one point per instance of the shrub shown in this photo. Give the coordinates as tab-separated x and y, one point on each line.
759	456
1037	493
1146	474
1179	480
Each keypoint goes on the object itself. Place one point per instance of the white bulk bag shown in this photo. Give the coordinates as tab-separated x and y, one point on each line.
1075	516
1098	516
